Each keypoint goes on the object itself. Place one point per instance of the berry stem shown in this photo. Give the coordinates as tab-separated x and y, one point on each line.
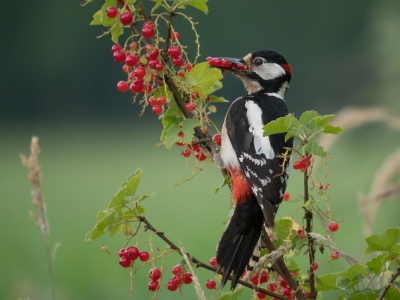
311	251
143	10
200	264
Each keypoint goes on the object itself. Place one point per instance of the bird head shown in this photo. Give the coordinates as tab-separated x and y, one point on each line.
264	71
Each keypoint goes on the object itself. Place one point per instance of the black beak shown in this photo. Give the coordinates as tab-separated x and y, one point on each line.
235	65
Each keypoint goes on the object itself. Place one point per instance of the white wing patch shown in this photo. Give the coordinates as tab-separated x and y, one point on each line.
261	143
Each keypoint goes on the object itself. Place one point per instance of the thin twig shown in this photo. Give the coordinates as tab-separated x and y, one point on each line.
200	264
389	284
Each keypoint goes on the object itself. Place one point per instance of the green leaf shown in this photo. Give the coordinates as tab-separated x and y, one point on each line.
393	293
217	99
280	125
157	5
357	295
320	121
138	210
309	204
307	116
396	249
328	282
376	264
215	86
171	135
101	226
292	266
354	272
231	295
283	228
313	147
116	31
225	182
199	4
133	182
384	241
203	77
188	126
331	129
117	201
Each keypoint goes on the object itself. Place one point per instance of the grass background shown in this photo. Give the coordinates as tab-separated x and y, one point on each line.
83	165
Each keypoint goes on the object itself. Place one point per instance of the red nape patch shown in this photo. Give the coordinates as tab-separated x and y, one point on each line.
287	68
241	188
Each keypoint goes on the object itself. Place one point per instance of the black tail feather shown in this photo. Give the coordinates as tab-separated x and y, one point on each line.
237	243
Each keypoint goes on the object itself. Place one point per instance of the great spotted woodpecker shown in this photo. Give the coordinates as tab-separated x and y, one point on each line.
259	176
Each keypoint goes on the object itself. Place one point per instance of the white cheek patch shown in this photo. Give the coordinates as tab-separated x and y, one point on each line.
268	71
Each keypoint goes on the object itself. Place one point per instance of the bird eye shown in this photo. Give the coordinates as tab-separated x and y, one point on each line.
258	61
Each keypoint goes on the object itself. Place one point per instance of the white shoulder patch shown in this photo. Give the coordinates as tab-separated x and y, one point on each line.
261	143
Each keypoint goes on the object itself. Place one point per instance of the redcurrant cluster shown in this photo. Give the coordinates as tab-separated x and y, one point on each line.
130	254
179	277
303	163
223	63
199	153
126	17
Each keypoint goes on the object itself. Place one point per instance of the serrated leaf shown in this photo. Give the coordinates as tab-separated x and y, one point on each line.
138	210
313	147
231	295
218	99
280	125
283	228
133	182
331	129
322	120
328	282
171	135
393	293
200	5
396	249
117	201
202	76
101	227
114	229
354	272
215	86
307	116
188	126
361	295
384	241
376	264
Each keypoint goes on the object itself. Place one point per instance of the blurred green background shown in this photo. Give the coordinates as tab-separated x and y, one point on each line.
59	82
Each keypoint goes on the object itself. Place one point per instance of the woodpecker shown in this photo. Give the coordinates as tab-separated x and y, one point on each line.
258	173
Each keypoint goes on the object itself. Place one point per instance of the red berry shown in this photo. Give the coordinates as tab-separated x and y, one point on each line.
176	279
174	51
116	47
131	60
159	66
272	286
200	155
298	165
172	286
307	294
211	284
181	73
213	261
133	46
126	18
217	139
314	266
286	291
189	67
149	48
148	29
155	273
177	270
126	68
255	280
157	109
333	226
190	106
194	95
112	12
261	295
140	72
264	276
187	278
334	255
104	248
153	102
119	56
132	253
161	100
152	64
144	256
154	285
300	232
186	153
125	262
122	86
306	159
175	35
137	86
282	282
286	196
178	61
122	252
